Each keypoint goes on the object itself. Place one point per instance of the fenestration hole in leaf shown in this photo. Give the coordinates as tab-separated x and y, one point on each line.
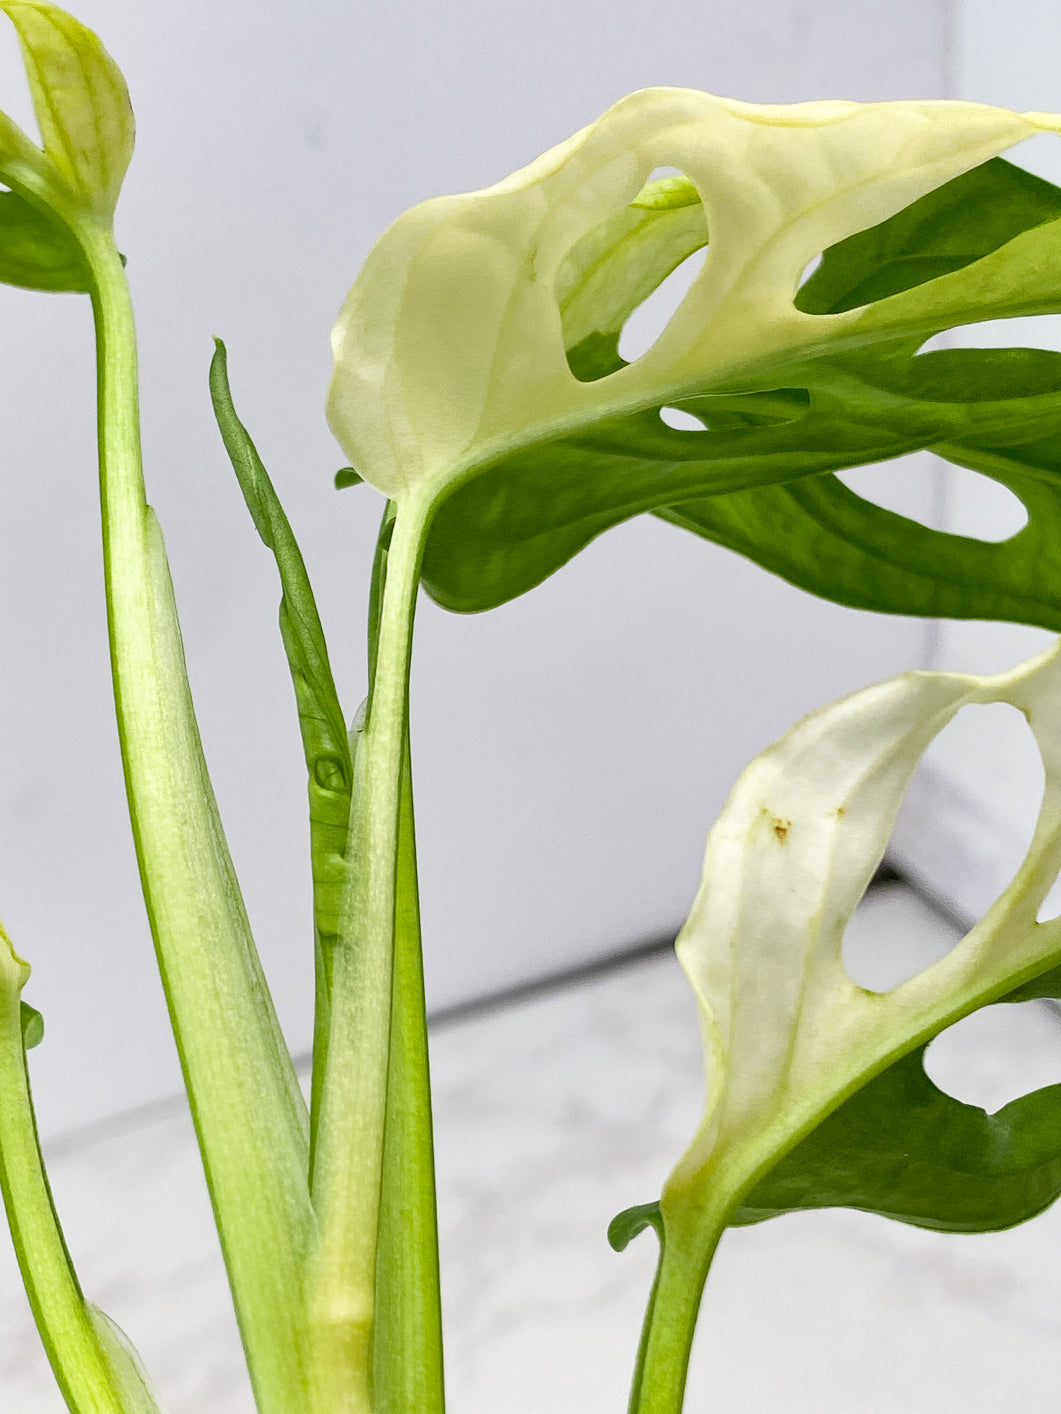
982	781
1031	331
940	496
647	322
910	486
662	179
808	270
1040	155
887	941
998	1054
681	420
979	507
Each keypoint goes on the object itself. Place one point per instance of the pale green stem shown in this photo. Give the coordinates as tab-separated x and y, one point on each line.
349	1149
689	1246
81	1364
407	1344
249	1114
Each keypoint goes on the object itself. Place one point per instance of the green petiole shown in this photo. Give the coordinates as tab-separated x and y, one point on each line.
91	1361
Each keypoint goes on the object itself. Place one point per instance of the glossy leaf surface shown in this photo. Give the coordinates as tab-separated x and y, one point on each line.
496	535
477	353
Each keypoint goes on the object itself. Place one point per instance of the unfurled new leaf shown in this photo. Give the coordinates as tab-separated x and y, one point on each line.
816	1092
477	354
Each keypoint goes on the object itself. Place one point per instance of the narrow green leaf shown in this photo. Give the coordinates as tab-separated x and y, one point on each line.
80	100
325	742
347	476
320	716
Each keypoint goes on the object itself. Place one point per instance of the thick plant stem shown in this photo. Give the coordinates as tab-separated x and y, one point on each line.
689	1244
407	1341
350	1139
249	1114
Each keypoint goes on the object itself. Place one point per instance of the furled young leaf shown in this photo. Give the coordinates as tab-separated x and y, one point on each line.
477	355
80	101
320	716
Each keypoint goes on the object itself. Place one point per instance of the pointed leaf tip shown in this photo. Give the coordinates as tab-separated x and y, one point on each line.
628	1224
80	100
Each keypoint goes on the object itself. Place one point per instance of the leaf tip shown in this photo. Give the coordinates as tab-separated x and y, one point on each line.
625	1226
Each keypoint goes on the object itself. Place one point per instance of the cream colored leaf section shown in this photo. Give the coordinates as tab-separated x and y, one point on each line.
80	101
449	346
787	1034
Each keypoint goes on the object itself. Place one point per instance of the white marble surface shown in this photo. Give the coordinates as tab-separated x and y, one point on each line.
553	1113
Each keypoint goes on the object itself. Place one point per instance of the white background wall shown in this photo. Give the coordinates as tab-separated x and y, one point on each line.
970	815
571	748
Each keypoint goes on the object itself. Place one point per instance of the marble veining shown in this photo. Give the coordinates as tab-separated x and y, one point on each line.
554	1113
